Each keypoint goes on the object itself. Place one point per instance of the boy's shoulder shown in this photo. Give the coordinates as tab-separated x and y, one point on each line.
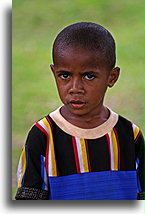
126	121
128	127
44	125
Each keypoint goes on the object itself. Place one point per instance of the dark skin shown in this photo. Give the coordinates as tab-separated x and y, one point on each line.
82	80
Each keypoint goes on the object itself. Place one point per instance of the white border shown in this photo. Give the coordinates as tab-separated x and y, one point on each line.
6	205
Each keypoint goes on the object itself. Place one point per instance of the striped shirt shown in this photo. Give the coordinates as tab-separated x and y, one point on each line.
63	162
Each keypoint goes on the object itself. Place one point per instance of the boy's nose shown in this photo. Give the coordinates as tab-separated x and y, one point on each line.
76	86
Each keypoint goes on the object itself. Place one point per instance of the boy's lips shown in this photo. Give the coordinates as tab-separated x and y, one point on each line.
77	104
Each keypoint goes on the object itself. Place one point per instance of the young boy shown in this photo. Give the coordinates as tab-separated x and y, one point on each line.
83	150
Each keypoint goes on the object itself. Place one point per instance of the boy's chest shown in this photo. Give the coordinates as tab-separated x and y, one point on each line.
108	153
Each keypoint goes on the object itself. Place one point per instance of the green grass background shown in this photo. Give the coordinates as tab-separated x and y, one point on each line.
35	23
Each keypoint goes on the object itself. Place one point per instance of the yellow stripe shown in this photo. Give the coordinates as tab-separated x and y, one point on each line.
53	161
23	158
84	155
136	131
115	149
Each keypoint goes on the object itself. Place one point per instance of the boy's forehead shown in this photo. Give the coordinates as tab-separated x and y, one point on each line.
78	54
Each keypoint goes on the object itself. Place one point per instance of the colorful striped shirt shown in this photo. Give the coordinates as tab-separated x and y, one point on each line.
63	162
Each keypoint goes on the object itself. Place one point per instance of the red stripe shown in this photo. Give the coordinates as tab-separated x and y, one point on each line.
41	128
76	155
108	141
46	157
50	123
89	165
118	143
47	145
139	133
47	118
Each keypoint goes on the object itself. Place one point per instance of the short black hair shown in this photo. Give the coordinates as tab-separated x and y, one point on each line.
90	36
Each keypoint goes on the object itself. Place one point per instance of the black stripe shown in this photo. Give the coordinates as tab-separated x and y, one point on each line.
64	153
99	154
35	146
127	146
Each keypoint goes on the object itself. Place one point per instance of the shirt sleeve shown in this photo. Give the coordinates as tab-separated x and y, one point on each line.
31	173
139	149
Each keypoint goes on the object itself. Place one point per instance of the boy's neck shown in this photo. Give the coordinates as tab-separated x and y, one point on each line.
86	121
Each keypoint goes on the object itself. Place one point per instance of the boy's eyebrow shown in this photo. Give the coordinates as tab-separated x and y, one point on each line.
92	72
62	71
85	72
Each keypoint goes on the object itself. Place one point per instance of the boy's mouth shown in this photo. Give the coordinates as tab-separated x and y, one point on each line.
77	104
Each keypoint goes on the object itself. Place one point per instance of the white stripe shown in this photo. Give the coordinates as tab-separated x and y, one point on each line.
45	176
80	154
136	165
49	162
49	149
43	125
19	170
111	152
133	126
46	180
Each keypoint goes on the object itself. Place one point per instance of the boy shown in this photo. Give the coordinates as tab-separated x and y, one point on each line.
83	150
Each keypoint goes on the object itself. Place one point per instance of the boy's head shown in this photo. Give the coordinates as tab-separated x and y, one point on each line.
89	36
84	60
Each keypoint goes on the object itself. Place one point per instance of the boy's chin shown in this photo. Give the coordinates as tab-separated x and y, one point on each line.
77	110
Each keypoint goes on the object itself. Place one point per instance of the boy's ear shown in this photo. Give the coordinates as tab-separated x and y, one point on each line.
114	74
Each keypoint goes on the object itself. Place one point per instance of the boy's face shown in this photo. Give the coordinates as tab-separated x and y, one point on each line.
82	80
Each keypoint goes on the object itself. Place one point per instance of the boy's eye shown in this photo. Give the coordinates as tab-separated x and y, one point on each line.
64	76
89	76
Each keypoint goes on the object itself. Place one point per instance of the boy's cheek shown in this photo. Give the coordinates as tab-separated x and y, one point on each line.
62	90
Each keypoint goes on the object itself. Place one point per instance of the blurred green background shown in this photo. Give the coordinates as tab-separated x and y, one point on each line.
35	24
